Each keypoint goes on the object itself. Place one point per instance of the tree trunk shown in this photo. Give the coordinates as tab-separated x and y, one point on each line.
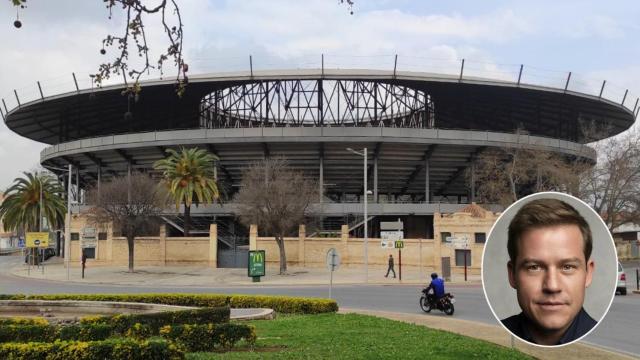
187	219
130	243
283	256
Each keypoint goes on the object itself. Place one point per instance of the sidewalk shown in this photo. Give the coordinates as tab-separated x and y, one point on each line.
497	335
201	276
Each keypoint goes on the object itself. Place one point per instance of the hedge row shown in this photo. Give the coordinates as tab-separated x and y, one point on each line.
50	333
208	337
281	304
23	321
190	337
113	349
122	322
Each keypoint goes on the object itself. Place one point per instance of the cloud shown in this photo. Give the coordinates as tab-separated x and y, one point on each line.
17	154
595	26
61	37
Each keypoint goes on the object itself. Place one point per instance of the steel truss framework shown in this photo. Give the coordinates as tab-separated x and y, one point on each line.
282	103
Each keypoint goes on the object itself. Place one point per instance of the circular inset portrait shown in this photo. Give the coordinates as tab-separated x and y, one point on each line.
549	269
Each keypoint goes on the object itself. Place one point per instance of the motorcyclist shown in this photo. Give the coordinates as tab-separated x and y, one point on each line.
437	285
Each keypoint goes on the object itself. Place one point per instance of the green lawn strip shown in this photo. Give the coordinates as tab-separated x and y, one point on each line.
353	336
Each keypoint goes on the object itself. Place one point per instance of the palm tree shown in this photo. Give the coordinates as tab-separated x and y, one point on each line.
190	178
21	207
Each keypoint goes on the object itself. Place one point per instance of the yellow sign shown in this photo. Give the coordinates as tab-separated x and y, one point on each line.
37	239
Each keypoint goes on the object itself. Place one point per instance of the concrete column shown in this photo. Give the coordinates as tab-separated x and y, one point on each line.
78	227
213	246
253	237
344	238
99	178
375	178
78	185
420	265
427	190
473	182
321	180
110	243
129	182
437	244
67	239
163	244
302	238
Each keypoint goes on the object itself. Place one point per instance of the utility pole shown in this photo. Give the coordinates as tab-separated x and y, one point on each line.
67	225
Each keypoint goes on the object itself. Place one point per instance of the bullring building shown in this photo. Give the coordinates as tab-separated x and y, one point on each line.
421	132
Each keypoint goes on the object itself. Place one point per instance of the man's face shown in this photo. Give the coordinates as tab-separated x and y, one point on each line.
550	276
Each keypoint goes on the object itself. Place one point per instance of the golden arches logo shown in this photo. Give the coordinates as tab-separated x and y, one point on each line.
258	257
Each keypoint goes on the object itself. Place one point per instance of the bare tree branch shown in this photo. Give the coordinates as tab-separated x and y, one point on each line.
134	217
275	198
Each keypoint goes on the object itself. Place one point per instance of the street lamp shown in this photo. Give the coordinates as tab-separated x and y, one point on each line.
67	223
366	239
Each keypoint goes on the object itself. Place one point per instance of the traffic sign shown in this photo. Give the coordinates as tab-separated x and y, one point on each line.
37	239
256	266
21	243
387	244
458	243
333	262
333	259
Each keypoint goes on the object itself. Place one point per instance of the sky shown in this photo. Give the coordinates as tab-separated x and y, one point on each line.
595	40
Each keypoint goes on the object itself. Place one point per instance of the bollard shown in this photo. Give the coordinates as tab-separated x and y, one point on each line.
637	279
84	262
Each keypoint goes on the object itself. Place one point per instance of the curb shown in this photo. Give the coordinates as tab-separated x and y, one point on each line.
264	314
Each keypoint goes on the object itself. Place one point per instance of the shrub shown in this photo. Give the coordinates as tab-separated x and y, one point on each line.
194	338
50	333
24	321
25	333
113	349
281	304
84	332
285	304
122	323
139	331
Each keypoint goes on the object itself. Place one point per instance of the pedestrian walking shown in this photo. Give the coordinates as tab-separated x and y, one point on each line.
390	268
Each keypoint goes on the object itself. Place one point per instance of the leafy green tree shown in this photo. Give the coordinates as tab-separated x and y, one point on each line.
20	210
190	179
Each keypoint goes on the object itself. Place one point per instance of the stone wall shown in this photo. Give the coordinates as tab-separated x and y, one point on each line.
148	250
422	254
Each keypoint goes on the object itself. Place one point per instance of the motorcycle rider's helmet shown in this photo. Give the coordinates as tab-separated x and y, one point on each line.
434	275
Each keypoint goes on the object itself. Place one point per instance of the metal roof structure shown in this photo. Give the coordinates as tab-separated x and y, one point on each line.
469	103
422	130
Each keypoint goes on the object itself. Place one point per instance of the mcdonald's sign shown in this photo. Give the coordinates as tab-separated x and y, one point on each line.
256	263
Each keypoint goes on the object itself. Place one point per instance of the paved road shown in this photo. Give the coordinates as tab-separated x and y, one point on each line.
617	331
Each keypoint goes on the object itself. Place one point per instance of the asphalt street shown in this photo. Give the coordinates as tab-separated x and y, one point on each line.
616	332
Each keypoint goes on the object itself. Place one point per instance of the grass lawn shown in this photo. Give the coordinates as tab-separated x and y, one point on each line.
351	336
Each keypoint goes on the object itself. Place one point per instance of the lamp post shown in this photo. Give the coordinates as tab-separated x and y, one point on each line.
365	193
67	223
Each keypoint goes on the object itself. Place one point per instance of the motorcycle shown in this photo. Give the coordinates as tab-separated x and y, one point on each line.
445	304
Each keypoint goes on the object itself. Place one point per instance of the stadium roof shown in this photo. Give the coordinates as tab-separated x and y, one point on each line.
466	104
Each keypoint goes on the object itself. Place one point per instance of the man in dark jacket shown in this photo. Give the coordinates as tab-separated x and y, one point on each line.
390	268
